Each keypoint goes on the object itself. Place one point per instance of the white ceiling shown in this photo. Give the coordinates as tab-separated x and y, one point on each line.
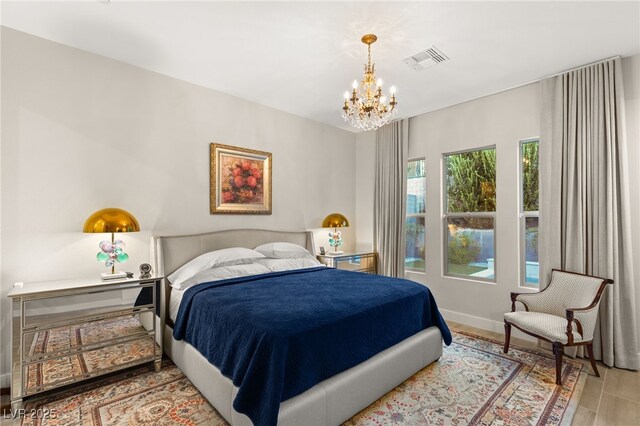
301	57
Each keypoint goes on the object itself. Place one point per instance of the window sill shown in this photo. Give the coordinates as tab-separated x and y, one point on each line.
461	278
526	287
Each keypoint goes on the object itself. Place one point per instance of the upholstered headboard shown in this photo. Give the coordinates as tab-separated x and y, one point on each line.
169	253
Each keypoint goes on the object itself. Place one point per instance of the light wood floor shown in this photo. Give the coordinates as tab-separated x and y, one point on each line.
612	400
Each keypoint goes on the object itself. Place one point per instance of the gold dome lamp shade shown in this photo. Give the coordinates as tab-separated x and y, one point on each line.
111	220
335	221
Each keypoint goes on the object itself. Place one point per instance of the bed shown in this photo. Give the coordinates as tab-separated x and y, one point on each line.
333	399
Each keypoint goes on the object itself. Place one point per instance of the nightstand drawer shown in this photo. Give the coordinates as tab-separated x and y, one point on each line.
62	310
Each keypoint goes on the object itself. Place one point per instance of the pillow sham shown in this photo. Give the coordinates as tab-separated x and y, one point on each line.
283	250
224	257
222	273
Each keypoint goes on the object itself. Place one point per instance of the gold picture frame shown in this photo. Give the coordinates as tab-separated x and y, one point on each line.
240	181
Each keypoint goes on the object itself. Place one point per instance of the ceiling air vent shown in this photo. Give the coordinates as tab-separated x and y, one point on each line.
426	59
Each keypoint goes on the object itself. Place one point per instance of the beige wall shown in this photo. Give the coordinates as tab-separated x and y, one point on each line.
81	132
502	119
365	159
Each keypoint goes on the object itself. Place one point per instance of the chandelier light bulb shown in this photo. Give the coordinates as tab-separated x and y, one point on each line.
393	90
355	84
346	95
379	82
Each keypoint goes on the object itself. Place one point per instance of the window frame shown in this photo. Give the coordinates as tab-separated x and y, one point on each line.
446	215
423	215
522	219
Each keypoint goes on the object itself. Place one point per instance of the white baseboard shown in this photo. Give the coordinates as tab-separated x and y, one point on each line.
483	323
4	380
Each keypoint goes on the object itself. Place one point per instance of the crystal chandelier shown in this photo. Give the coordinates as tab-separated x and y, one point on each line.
366	107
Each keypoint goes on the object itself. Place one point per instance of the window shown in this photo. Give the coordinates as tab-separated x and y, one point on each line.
415	237
470	214
529	199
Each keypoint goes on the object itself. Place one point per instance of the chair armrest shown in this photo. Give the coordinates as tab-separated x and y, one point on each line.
514	298
527	299
585	320
588	308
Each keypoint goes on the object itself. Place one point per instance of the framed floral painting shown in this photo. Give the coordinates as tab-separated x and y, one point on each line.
240	180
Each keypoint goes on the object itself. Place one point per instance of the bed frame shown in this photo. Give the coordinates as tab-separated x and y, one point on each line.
331	401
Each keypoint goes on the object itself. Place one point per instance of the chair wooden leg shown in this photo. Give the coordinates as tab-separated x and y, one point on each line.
558	351
592	359
507	336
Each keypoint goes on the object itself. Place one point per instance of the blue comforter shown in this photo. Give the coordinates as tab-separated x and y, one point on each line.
276	335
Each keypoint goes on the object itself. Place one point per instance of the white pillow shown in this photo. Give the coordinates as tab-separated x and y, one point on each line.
222	273
224	257
283	251
277	265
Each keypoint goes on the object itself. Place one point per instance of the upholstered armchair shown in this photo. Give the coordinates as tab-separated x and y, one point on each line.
563	314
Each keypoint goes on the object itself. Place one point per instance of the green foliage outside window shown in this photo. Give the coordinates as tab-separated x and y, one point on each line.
463	248
471	181
530	176
471	184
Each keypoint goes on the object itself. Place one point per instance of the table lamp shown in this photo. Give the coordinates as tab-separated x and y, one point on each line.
335	221
111	220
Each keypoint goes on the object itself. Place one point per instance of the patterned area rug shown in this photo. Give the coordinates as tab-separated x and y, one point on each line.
64	338
472	383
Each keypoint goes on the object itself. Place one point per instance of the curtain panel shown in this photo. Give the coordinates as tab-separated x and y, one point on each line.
584	205
390	187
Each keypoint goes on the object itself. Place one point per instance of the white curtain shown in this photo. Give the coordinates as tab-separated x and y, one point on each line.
584	204
392	146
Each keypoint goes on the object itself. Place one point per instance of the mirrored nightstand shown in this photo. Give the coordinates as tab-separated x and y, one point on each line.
67	331
366	262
